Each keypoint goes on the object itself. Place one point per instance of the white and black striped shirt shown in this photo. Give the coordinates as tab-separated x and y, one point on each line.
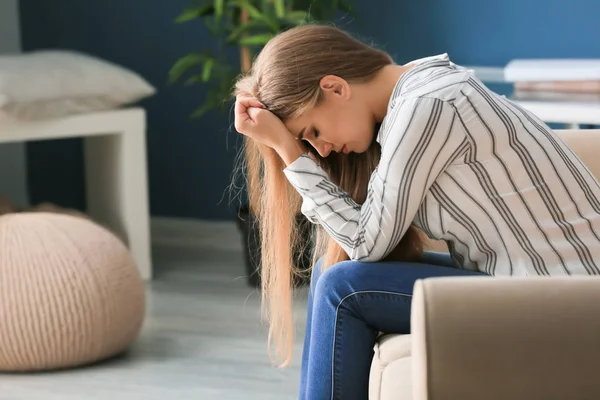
470	167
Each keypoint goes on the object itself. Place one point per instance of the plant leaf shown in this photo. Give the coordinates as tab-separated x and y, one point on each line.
194	13
219	4
212	27
193	80
182	65
203	109
297	17
254	13
208	65
245	28
256	40
209	71
279	8
213	99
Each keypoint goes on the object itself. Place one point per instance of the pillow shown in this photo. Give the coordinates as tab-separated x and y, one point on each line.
54	83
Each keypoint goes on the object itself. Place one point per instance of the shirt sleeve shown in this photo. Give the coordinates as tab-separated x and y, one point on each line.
419	139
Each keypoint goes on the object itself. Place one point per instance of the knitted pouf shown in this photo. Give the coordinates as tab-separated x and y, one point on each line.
70	293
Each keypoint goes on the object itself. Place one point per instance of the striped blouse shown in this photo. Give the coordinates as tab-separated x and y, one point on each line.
470	167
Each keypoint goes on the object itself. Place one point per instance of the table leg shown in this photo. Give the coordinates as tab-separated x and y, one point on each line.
117	189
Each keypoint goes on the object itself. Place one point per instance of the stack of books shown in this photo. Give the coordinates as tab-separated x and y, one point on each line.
571	80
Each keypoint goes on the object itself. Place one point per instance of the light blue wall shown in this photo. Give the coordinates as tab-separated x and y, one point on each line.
190	164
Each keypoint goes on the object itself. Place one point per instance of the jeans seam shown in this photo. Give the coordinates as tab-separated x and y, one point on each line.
334	389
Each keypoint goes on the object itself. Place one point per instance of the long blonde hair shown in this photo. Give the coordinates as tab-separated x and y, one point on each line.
285	77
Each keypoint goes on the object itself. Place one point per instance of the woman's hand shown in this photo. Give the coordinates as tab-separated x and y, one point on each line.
261	125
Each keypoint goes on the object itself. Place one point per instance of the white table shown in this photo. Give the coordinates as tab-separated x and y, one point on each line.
570	113
115	169
573	114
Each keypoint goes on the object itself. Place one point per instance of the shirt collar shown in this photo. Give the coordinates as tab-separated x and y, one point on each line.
420	64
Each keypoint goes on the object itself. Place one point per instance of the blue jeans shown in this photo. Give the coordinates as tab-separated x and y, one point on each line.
348	305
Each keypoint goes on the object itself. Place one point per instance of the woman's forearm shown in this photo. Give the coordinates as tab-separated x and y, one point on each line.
290	149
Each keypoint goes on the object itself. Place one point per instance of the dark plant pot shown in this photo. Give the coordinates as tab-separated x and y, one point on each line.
251	246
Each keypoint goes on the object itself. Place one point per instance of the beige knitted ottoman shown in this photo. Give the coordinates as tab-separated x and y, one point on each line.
70	293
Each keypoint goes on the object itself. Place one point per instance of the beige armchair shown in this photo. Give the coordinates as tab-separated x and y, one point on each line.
498	338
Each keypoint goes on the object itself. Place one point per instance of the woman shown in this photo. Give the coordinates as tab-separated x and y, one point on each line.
448	157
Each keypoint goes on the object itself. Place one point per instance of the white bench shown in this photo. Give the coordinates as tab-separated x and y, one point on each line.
115	169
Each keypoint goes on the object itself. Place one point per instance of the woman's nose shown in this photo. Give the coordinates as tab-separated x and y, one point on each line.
325	149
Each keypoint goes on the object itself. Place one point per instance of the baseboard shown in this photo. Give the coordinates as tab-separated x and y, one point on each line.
184	232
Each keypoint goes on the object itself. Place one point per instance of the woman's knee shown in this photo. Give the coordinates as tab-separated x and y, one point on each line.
338	280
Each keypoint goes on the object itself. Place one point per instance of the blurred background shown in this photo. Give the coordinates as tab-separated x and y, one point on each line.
202	337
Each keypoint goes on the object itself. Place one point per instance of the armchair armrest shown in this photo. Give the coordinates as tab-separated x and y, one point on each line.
506	338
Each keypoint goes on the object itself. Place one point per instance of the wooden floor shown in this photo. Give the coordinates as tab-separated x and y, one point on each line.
202	340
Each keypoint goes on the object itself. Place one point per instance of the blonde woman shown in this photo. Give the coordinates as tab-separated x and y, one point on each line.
373	153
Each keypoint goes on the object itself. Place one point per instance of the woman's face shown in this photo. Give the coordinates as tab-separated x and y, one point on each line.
341	122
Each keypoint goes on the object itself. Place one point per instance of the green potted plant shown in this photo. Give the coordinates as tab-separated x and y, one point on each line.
244	26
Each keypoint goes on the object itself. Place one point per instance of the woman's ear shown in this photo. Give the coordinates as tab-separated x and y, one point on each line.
336	86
